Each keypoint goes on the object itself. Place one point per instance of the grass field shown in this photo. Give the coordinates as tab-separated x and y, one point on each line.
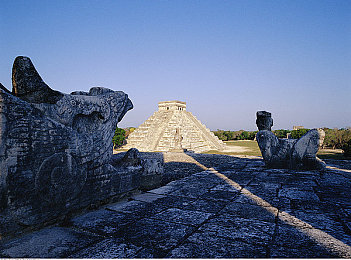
253	149
336	154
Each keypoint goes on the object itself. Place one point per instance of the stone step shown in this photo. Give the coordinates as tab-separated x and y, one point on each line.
158	132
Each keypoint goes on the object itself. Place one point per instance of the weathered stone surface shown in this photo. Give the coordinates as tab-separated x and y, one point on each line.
289	153
151	170
131	158
172	128
290	242
139	209
28	85
264	120
249	211
235	228
56	149
158	224
152	174
305	150
103	222
187	217
211	245
108	249
159	235
205	205
54	242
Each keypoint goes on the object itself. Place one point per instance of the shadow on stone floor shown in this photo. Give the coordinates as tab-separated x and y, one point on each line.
231	208
303	201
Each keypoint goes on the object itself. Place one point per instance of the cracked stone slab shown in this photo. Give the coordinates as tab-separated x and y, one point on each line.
342	199
303	252
165	190
127	206
209	245
266	191
186	217
219	195
345	217
173	202
250	211
189	192
318	220
252	199
318	224
266	186
296	241
139	209
304	205
274	177
208	206
232	233
103	221
200	183
330	178
242	179
53	242
335	189
210	177
158	204
297	193
303	180
157	235
340	234
246	230
148	197
224	187
108	248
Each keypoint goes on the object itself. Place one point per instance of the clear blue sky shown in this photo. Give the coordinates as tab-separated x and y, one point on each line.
226	59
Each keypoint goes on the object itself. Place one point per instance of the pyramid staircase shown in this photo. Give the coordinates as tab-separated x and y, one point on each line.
158	132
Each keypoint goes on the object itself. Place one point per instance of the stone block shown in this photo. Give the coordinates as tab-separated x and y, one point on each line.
108	248
103	222
210	245
152	174
158	235
235	228
187	217
54	242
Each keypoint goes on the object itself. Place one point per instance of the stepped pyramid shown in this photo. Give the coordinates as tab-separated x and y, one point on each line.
172	128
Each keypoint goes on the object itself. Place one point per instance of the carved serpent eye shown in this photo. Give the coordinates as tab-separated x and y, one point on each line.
59	179
87	123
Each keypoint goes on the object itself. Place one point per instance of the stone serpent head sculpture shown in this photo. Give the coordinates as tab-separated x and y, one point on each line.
52	145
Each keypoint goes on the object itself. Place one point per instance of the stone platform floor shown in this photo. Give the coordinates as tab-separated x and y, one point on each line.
232	208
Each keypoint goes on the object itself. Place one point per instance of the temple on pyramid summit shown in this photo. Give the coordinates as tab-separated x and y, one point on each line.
173	129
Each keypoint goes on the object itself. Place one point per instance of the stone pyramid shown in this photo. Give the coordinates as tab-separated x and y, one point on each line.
172	128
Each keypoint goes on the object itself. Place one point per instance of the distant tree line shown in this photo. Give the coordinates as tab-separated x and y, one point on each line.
250	135
120	136
338	138
334	138
235	135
